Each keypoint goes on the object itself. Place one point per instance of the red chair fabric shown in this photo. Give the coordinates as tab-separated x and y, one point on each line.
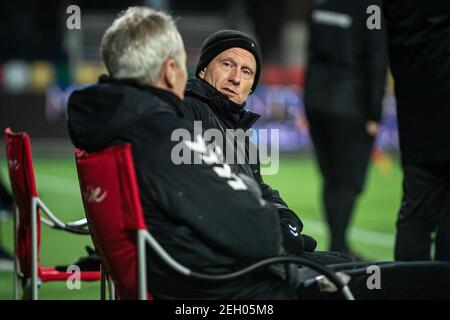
114	212
47	274
23	185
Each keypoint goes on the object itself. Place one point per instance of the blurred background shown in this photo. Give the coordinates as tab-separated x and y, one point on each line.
42	62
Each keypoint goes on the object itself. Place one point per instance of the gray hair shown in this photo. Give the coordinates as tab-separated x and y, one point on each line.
138	42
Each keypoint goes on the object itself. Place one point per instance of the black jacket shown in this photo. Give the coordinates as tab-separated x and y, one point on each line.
347	62
205	103
419	42
193	212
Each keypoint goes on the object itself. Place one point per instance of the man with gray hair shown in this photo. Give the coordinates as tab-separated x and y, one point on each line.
140	103
145	45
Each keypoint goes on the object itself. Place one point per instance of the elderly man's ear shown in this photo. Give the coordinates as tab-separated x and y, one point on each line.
201	74
168	73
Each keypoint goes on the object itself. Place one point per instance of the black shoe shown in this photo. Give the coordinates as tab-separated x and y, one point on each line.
88	263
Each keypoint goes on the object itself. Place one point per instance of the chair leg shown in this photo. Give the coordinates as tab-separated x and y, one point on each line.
27	290
112	289
34	250
16	284
30	288
142	266
102	283
16	267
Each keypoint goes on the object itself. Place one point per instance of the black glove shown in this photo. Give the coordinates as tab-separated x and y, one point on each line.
292	238
293	241
310	243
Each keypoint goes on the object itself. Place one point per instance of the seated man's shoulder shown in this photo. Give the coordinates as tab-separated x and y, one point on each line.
196	108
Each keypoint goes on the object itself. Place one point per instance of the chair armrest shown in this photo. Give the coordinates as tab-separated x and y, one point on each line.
77	227
340	285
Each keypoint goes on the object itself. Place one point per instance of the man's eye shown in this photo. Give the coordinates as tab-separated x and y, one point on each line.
226	64
247	72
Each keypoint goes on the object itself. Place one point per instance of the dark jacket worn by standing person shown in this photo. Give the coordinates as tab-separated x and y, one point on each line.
347	61
205	103
194	213
419	42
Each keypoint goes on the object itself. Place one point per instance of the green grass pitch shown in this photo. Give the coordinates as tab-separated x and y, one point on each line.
372	233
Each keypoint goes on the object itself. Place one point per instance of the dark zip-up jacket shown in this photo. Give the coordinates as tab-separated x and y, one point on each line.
196	214
215	111
347	61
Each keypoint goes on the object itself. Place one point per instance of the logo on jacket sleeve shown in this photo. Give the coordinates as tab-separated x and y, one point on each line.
293	230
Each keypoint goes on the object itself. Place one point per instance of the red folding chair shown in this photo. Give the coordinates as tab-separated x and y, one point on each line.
114	214
27	220
113	209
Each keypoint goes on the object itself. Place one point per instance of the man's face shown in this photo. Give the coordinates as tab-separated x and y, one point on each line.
232	72
181	77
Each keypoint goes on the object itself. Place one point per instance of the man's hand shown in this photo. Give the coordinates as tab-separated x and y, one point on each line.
310	243
293	241
292	238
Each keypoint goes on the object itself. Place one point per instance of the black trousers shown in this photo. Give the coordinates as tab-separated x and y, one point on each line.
343	149
424	216
396	280
327	257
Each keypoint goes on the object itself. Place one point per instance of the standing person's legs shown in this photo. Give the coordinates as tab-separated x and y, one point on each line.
339	202
320	136
349	155
321	128
424	194
442	242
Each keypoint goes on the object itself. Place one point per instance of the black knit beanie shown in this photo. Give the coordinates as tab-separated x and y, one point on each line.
223	40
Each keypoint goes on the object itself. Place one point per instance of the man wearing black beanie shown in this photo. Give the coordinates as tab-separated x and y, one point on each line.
224	40
227	73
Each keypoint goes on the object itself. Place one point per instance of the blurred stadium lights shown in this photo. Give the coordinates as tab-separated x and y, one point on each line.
16	76
45	61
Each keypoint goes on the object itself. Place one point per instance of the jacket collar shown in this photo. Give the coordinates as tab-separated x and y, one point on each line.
223	107
165	95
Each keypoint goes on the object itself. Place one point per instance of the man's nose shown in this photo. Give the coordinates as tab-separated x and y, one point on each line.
235	76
